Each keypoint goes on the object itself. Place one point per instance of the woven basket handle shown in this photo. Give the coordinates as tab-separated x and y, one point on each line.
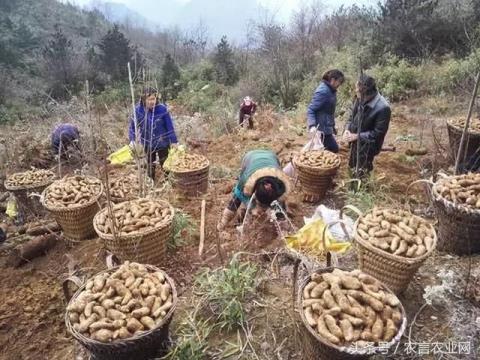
66	288
111	260
421	181
352	208
329	254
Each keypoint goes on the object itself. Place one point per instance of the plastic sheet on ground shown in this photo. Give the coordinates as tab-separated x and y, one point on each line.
121	157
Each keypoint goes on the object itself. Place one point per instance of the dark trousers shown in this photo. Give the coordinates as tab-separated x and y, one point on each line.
242	117
365	162
330	143
159	155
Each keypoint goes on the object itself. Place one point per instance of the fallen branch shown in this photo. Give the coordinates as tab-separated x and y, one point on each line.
43	229
30	250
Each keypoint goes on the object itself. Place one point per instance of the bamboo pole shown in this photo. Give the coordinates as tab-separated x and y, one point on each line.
467	124
202	228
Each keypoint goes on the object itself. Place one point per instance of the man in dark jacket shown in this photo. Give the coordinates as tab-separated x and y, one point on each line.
321	111
367	126
247	107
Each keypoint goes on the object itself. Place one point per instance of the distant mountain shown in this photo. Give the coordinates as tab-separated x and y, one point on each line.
122	14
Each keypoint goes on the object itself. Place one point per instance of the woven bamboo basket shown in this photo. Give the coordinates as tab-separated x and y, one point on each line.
472	141
130	196
147	247
458	226
77	221
27	203
315	181
315	347
191	183
144	346
394	271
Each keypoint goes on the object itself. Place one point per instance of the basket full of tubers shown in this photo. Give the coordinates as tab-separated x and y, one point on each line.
73	202
392	245
455	129
456	202
190	174
316	170
347	315
140	231
123	312
126	187
23	184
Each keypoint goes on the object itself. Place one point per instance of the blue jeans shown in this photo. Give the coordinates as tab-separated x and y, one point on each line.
330	143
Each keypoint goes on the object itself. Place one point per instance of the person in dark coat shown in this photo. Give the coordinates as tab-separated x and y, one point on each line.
154	129
367	126
247	107
321	111
65	137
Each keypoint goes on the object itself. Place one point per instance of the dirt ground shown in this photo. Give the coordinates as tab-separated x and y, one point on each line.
32	302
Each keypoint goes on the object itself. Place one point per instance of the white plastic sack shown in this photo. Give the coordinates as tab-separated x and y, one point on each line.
315	143
329	216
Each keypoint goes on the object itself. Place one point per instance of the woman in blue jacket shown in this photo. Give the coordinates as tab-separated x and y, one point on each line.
155	130
321	111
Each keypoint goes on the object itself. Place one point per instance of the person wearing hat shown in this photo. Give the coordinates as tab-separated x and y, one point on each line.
65	137
367	126
261	176
247	107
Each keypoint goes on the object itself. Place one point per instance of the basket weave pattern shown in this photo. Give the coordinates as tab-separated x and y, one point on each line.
315	347
458	226
76	222
192	183
454	137
315	181
394	271
142	347
147	247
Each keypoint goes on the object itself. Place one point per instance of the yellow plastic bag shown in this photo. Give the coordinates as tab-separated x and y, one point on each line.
11	208
121	156
309	240
173	155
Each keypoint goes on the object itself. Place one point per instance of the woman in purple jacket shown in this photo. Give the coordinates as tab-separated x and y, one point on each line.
65	137
153	129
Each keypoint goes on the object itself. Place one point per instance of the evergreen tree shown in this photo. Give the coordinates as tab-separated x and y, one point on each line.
170	78
58	55
115	54
225	70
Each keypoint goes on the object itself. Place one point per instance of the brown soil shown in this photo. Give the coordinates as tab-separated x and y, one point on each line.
32	302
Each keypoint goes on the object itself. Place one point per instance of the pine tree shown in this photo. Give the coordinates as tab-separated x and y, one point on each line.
58	55
170	78
115	54
225	70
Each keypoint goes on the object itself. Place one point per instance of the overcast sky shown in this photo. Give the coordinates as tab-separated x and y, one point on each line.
283	8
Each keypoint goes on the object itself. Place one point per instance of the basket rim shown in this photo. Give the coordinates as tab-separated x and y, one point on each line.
297	164
76	206
136	234
191	171
31	186
345	349
390	256
85	340
448	203
470	132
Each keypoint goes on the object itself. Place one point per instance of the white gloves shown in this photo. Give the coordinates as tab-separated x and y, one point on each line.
312	130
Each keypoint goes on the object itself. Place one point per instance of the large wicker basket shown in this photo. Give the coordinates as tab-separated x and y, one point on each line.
317	348
472	141
144	346
191	183
458	226
27	203
315	181
77	221
394	271
147	247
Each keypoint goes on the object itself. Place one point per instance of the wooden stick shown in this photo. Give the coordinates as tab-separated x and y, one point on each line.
467	124
202	228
